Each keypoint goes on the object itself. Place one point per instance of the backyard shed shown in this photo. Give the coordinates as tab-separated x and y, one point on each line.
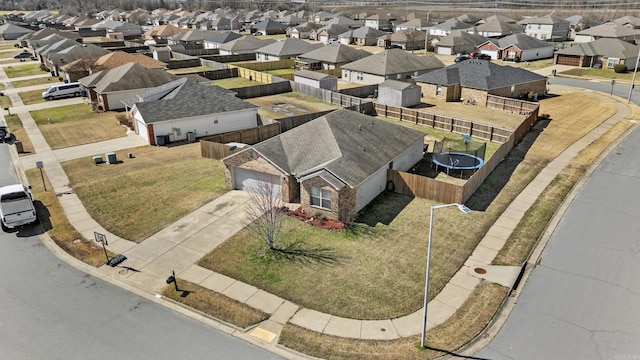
316	79
399	93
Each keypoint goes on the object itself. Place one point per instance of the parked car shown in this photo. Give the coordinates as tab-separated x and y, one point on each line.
62	90
461	58
482	56
393	46
22	55
16	206
333	41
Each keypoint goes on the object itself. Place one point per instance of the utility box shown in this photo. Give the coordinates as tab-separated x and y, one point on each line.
111	157
191	137
97	160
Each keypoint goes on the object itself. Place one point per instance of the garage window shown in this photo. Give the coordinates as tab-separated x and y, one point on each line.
321	198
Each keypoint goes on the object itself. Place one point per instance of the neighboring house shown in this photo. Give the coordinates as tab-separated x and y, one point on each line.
399	93
410	39
68	55
128	30
269	27
392	64
327	32
459	42
603	53
329	57
25	40
548	27
468	19
106	89
9	31
335	164
628	21
291	20
162	32
302	31
517	47
285	49
445	28
244	45
608	31
217	38
87	66
363	36
316	79
497	29
344	21
183	106
495	17
578	23
382	22
195	39
416	24
476	79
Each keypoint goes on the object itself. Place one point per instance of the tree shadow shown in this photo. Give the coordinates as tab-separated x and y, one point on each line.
383	209
500	176
42	224
299	251
453	354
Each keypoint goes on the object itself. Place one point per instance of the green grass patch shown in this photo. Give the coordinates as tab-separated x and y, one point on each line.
24	70
189	70
143	195
281	72
74	125
37	81
235	82
5	102
214	304
16	128
31	97
598	73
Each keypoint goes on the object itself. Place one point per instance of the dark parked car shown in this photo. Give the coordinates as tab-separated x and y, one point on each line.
482	56
461	58
22	55
393	46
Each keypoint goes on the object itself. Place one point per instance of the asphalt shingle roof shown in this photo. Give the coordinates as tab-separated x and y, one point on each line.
479	74
126	77
337	53
185	98
394	61
345	144
288	47
613	48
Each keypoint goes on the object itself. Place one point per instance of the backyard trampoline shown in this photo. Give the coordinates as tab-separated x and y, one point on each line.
457	161
461	155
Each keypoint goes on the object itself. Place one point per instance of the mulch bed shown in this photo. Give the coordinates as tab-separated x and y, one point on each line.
321	222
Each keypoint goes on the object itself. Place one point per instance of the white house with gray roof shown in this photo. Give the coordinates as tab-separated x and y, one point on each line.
285	49
548	27
607	30
334	165
182	106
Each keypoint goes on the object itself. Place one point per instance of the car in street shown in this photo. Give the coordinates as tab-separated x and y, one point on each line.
481	56
460	58
393	46
22	55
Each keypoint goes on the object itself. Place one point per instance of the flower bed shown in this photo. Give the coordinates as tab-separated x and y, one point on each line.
316	220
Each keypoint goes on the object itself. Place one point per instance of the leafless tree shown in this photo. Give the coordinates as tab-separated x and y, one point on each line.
263	217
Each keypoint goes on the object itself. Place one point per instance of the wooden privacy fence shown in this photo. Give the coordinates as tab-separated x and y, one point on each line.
213	146
267	65
459	126
515	106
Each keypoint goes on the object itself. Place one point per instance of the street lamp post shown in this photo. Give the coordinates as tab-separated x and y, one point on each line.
465	210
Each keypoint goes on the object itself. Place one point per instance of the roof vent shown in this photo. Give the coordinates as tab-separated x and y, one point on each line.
360	127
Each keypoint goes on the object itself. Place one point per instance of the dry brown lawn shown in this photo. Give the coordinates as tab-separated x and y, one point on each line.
289	104
140	196
15	126
471	112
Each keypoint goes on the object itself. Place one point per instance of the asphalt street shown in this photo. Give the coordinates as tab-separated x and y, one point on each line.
50	310
583	300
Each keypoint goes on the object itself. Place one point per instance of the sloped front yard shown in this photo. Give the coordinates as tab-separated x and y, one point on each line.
140	196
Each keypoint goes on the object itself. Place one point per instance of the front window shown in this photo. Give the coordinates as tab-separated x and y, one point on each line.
345	74
360	76
611	62
321	198
438	90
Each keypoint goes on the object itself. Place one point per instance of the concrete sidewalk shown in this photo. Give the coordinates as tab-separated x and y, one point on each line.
179	246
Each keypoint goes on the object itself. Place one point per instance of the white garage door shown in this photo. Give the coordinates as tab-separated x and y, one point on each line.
444	50
249	180
492	53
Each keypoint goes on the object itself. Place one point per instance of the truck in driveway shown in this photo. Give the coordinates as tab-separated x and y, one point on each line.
16	206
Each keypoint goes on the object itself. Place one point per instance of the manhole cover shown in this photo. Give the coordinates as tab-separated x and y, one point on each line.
480	271
383	329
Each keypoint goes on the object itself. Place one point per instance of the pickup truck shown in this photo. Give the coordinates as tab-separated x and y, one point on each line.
16	206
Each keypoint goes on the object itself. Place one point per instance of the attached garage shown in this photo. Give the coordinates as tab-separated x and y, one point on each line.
249	180
568	60
444	50
492	53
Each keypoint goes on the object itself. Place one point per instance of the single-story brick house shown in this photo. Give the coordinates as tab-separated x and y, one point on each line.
334	165
475	79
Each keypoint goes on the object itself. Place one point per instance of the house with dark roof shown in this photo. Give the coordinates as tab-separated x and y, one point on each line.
498	29
327	32
395	64
107	88
382	22
303	30
329	57
409	39
215	40
9	31
55	60
334	165
183	106
269	27
86	66
243	45
475	79
446	27
518	47
285	49
628	21
603	53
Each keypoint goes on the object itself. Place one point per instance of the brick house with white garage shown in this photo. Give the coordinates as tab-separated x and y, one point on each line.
334	165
